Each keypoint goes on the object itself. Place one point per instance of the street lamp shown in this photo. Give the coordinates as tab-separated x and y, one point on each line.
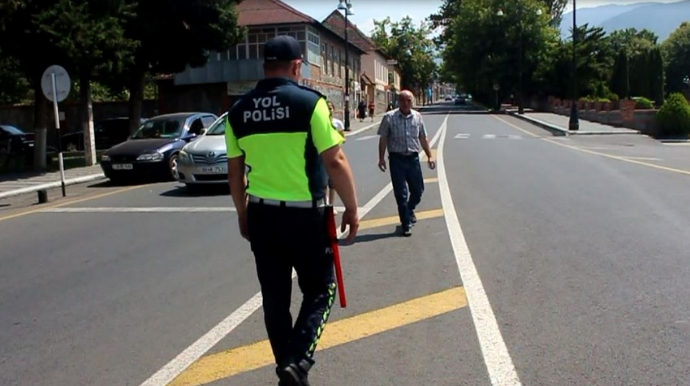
521	107
574	123
346	6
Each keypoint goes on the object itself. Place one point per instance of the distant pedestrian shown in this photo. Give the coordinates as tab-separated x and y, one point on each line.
361	110
283	133
372	107
403	134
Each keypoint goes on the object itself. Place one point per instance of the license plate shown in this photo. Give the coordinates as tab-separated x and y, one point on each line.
123	167
213	170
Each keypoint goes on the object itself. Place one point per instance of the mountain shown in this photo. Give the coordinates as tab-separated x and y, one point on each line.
660	18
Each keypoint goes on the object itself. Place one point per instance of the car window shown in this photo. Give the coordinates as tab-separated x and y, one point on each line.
12	130
218	127
196	127
208	120
160	128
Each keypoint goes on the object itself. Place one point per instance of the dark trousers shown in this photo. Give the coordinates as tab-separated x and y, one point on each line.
282	238
408	185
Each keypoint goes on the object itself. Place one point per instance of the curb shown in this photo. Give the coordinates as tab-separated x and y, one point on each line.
51	185
555	130
559	131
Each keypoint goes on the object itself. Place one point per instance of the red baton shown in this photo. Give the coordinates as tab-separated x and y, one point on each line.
333	235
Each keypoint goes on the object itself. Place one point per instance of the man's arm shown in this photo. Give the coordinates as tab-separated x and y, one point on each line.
423	139
383	131
327	142
236	167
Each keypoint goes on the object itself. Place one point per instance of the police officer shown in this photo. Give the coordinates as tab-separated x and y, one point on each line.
282	133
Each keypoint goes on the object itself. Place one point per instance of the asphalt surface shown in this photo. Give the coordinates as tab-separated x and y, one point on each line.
580	245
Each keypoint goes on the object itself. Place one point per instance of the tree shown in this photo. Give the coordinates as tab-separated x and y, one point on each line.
170	36
676	52
411	47
620	78
24	40
632	42
484	48
656	63
14	88
91	35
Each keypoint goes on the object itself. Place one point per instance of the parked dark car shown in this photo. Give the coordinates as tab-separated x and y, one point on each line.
15	142
152	151
108	133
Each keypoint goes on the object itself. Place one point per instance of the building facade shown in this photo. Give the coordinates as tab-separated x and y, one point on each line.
230	74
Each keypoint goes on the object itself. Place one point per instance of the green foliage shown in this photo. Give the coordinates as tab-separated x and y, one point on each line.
411	47
674	116
633	42
14	88
676	53
484	48
643	103
620	78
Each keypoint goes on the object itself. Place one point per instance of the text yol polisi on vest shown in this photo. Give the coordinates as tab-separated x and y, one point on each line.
267	109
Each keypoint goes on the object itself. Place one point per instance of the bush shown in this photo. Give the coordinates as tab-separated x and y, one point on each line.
674	116
643	104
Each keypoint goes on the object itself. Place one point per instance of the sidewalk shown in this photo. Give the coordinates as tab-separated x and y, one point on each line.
357	127
558	124
23	183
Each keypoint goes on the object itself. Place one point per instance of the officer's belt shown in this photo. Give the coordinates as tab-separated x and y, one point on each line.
288	204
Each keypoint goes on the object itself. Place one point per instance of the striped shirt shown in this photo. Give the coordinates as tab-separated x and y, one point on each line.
403	132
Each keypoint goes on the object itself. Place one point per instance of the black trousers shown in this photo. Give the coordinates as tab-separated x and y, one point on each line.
283	238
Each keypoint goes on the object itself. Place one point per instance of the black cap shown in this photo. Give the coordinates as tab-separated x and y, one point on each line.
282	48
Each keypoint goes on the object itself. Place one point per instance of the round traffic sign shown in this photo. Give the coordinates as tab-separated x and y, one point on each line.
63	84
497	87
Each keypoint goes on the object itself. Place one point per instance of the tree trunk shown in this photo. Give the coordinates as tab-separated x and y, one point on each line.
86	108
40	127
136	97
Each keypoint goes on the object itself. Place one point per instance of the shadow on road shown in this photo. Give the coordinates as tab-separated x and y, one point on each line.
201	191
373	237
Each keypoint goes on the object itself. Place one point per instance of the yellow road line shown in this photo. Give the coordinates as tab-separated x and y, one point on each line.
619	158
242	359
430	180
383	221
516	127
69	202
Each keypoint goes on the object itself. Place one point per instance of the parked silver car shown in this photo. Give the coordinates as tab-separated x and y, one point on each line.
205	161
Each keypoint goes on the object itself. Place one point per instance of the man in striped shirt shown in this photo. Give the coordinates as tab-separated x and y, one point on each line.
403	134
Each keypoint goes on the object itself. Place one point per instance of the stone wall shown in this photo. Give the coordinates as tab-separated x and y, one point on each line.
618	114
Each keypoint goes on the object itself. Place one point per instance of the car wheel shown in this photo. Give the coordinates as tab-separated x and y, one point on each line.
172	166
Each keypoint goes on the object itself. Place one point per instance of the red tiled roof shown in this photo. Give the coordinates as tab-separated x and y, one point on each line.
336	23
263	12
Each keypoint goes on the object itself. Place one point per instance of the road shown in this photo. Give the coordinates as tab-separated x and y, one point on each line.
537	260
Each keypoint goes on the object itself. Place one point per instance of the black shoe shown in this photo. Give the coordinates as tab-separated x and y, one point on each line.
413	217
407	232
293	375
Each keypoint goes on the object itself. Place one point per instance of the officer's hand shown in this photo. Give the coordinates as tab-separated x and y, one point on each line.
432	163
351	221
382	165
244	225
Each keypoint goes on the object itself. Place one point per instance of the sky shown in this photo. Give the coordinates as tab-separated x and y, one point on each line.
366	11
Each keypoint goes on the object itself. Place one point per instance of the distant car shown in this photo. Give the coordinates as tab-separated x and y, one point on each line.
108	133
152	152
204	161
461	100
16	142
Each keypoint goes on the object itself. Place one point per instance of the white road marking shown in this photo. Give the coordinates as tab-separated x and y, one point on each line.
514	136
489	136
496	356
350	133
366	137
642	158
149	210
192	353
462	136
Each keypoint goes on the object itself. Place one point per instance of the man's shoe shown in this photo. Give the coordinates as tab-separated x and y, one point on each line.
293	375
413	217
407	232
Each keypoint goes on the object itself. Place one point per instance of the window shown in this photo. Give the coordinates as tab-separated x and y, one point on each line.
332	61
324	57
